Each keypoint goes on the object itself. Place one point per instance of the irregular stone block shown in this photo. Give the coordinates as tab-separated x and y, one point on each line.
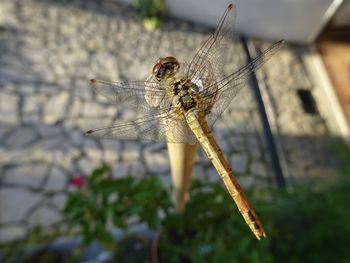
15	204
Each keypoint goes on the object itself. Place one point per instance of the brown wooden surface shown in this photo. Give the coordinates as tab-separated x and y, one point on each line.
334	47
182	158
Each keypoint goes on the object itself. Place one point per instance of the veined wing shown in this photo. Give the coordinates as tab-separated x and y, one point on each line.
255	64
211	54
164	127
155	120
225	90
207	66
142	96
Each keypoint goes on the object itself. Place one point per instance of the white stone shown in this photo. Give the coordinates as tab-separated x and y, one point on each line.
137	170
221	139
301	157
254	147
6	7
198	172
103	64
201	156
212	174
26	88
86	123
40	155
156	162
236	143
92	150
9	108
110	156
83	89
24	156
246	181
259	168
48	130
15	203
64	81
166	181
113	145
154	146
32	118
44	216
57	180
77	137
86	165
55	107
32	104
22	136
76	108
65	158
59	201
260	184
49	142
3	131
18	76
131	151
94	109
120	170
239	163
9	233
29	175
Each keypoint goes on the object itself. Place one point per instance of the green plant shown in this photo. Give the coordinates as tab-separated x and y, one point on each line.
207	229
151	11
210	230
312	225
306	225
104	200
134	247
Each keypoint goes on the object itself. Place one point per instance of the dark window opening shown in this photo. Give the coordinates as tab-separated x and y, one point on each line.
307	100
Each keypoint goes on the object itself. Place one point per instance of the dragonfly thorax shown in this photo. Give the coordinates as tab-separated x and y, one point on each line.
184	94
187	102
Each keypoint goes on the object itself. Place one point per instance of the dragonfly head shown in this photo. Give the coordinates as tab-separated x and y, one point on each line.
165	67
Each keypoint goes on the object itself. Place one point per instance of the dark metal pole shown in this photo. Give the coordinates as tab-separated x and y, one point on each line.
281	183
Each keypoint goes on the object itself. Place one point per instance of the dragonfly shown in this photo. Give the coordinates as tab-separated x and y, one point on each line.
180	102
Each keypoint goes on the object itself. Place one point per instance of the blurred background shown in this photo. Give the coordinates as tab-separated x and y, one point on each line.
286	134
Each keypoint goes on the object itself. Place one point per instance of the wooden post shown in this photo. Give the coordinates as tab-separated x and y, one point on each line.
182	157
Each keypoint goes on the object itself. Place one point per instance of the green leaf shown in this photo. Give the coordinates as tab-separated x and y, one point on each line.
97	174
104	238
119	222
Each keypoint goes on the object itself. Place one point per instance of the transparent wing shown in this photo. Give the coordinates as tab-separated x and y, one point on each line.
222	92
211	54
255	64
206	66
142	96
166	127
224	98
154	119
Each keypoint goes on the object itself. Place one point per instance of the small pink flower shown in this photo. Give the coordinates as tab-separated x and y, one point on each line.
78	181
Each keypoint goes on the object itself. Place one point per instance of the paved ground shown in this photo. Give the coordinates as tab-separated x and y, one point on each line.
49	51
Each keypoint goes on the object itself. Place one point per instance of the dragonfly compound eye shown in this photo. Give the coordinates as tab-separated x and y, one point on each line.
156	69
165	68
